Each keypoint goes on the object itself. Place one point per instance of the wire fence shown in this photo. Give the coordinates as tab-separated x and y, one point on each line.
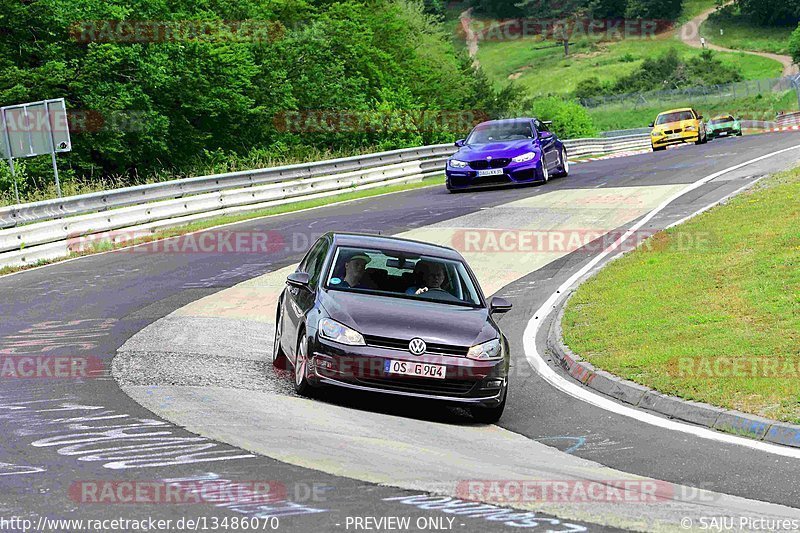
698	95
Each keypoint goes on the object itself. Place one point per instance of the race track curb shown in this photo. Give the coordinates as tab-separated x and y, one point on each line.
729	421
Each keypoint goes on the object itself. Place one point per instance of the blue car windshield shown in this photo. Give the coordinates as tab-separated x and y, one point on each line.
500	131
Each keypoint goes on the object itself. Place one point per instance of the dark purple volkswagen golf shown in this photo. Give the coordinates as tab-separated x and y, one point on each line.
393	316
507	152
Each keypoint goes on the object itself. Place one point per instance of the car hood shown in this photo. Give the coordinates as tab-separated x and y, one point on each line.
675	125
401	318
495	150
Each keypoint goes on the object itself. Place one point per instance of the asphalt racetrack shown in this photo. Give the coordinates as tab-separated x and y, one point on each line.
183	391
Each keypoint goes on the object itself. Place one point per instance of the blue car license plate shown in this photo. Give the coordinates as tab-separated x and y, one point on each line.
491	172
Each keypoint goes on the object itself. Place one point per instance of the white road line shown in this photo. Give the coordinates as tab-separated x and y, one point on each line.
581	393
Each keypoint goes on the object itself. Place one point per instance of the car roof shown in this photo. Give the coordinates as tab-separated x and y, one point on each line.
675	110
394	243
506	121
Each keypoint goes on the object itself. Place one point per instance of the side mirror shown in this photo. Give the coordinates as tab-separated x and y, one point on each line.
299	280
699	117
499	305
652	124
460	143
545	134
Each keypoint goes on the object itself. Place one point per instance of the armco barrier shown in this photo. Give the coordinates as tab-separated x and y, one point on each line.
87	203
46	230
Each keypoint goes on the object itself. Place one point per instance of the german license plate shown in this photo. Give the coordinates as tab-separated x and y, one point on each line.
675	136
491	172
410	368
723	133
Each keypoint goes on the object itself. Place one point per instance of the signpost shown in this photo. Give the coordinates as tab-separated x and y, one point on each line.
35	128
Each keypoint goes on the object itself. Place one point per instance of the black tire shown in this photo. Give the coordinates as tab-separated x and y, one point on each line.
279	359
563	164
659	148
300	375
488	415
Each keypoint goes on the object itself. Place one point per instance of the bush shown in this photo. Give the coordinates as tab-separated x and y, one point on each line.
669	71
654	9
771	12
794	44
570	119
591	87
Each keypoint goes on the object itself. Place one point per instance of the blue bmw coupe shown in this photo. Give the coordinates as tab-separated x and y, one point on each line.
507	152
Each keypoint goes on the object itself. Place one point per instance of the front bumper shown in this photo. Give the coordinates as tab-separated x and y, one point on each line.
513	174
678	138
724	132
467	382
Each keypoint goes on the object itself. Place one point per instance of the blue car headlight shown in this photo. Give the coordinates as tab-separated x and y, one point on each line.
488	351
524	158
332	330
455	163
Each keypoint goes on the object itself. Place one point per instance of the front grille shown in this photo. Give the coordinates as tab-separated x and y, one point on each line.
673	131
483	164
401	344
423	386
489	180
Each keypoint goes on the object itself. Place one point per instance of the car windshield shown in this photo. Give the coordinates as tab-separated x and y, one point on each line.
500	131
677	116
401	275
721	120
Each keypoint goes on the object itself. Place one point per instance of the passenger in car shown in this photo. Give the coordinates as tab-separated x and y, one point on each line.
430	275
354	269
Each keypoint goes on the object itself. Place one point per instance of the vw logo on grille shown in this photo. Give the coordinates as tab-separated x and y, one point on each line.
417	346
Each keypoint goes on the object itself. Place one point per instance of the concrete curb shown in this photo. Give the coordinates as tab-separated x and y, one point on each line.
726	420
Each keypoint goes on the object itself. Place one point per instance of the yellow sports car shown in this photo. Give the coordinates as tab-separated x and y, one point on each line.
677	126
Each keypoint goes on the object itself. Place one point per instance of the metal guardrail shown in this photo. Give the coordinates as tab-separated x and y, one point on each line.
581	147
86	203
55	228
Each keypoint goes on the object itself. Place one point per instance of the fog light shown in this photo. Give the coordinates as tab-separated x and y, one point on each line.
493	384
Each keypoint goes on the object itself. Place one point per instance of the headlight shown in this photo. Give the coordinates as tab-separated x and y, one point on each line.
524	157
487	351
656	133
690	128
334	331
455	163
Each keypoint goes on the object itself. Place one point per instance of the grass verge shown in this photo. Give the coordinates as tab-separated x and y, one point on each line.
709	310
540	68
104	246
739	33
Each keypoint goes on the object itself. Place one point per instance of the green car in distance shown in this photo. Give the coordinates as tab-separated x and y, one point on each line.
723	126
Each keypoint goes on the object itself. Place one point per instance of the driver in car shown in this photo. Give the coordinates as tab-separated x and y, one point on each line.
432	275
